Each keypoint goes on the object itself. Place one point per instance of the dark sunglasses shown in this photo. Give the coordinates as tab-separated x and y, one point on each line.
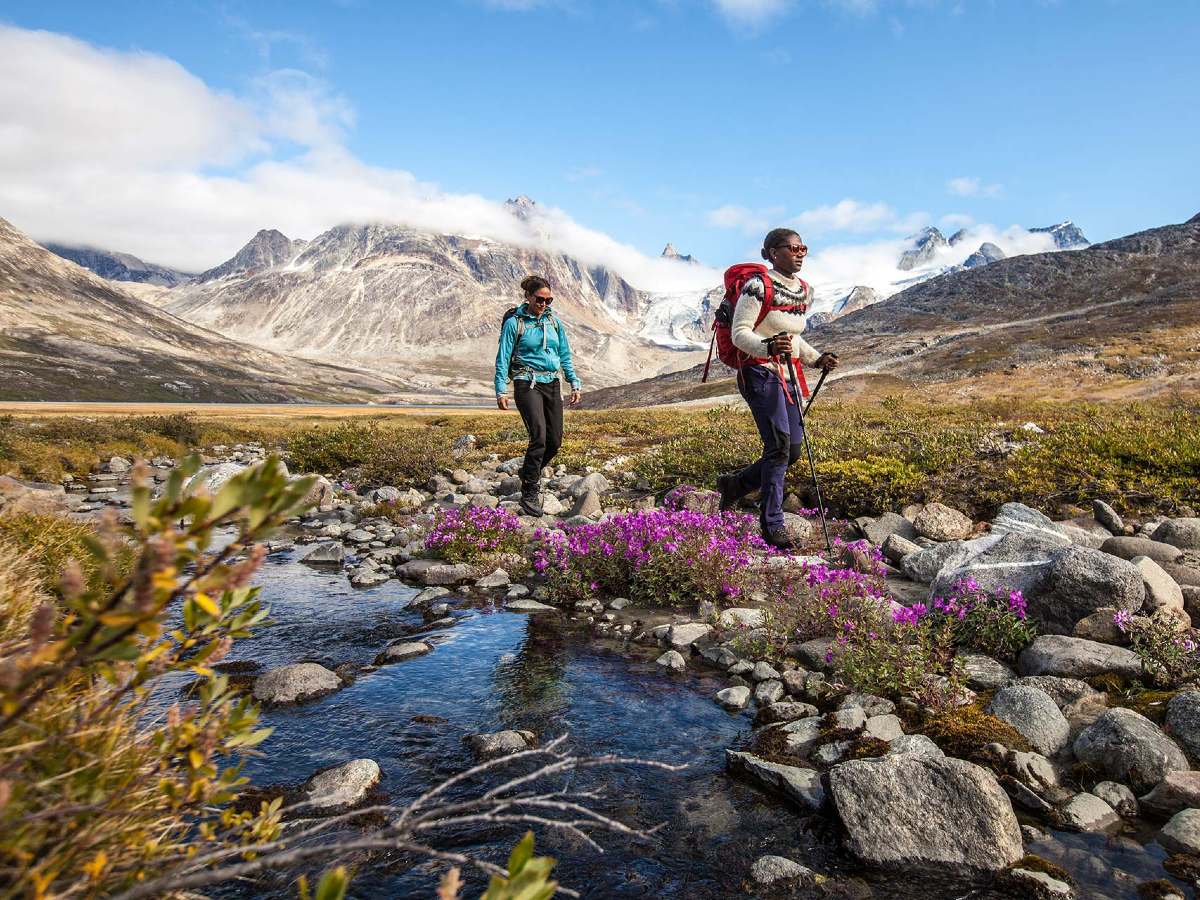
798	249
546	300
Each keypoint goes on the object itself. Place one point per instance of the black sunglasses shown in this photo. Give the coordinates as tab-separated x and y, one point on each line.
546	300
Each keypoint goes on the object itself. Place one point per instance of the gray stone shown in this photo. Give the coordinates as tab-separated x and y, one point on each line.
1161	590
360	536
984	673
618	603
497	579
736	697
1129	748
939	522
812	653
803	734
1038	885
1017	518
851	718
924	565
1182	533
1119	797
552	506
295	683
883	727
433	572
1052	654
799	529
1080	581
1178	790
767	692
325	554
914	745
1183	721
683	636
588	505
342	787
428	595
672	660
1063	691
386	494
868	703
500	742
1031	769
831	753
1182	833
118	465
1034	715
527	605
895	548
1129	547
888	524
1005	562
516	592
785	711
593	482
1082	537
1108	517
1100	626
763	671
363	578
1087	812
802	786
401	651
772	869
741	617
918	812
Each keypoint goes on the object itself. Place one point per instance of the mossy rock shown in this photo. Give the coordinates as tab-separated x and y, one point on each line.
1035	863
771	744
1183	866
1151	704
965	731
1159	889
867	748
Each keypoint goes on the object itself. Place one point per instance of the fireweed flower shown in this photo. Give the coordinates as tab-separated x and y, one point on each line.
1121	619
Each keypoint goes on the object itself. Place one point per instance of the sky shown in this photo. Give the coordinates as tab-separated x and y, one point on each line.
176	130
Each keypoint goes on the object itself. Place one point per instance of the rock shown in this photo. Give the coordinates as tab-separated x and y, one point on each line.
939	522
18	496
1082	537
1052	654
460	476
1181	533
552	506
1183	721
500	742
868	703
1017	518
683	636
878	530
802	735
497	579
525	604
914	745
1108	517
812	653
1177	790
429	595
772	869
387	494
1100	626
402	650
802	786
295	683
763	671
851	718
1080	581
1161	590
1129	748
739	617
784	711
1036	885
924	565
1129	547
672	660
325	554
895	548
985	673
214	477
736	697
1119	797
767	692
364	578
433	572
588	506
1182	833
883	727
1087	812
118	465
1010	561
1034	715
925	813
593	482
1063	691
342	787
799	529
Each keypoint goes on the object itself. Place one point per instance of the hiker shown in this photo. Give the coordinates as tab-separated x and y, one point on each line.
767	342
533	347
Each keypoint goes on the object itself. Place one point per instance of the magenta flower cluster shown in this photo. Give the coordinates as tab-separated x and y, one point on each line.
666	556
463	535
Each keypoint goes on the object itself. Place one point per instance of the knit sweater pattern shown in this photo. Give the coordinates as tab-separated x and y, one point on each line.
788	292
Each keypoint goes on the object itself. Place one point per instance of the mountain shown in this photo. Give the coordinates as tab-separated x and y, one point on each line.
67	334
118	266
987	253
1117	319
925	246
860	297
1067	235
669	252
417	304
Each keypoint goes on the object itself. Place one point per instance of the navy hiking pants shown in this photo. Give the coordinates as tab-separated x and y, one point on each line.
779	427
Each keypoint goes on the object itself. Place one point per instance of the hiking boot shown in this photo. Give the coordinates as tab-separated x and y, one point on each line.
730	491
779	538
531	501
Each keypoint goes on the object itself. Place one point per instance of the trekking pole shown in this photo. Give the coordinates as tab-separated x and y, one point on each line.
800	408
816	390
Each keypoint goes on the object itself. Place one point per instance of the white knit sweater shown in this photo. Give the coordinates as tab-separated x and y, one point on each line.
749	339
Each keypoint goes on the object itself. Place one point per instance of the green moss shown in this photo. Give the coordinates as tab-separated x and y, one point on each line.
867	747
1151	704
965	731
771	744
1159	889
1183	866
1036	863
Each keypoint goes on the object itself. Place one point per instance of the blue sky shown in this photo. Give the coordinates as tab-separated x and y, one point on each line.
690	121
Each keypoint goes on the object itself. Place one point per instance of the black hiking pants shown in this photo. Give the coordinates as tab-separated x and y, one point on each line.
541	409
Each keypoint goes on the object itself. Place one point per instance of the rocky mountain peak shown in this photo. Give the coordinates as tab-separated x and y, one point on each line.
118	266
1194	220
925	245
1067	235
987	253
958	236
669	252
266	250
520	206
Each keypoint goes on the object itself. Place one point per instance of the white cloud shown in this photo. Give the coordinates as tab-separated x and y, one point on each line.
846	215
751	13
971	187
739	217
132	152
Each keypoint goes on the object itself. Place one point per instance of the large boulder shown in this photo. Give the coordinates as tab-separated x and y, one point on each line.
344	786
1183	721
1182	833
500	743
939	522
1182	533
802	786
879	530
1080	581
925	813
1072	657
591	482
1162	592
1063	691
18	496
924	565
434	572
1004	562
1129	748
1017	518
328	553
1108	517
1034	714
1130	547
295	684
1178	790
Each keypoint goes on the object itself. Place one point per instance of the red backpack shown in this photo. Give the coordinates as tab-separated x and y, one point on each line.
727	352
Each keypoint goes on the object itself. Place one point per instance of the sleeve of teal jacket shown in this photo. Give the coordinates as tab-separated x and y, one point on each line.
508	334
564	356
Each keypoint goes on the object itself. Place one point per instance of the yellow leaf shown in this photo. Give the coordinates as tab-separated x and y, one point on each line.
196	758
203	671
207	604
96	867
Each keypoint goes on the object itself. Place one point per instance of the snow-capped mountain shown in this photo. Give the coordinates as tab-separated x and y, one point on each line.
1067	235
118	266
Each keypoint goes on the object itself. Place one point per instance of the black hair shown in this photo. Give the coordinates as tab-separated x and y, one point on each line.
531	284
775	237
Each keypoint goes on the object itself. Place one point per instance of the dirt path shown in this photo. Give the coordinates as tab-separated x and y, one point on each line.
233	410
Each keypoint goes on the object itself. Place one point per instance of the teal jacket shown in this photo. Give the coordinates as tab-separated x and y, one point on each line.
543	350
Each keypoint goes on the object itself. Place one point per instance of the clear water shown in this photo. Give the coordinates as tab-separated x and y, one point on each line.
494	670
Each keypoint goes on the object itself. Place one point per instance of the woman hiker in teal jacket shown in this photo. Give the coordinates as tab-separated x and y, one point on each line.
533	347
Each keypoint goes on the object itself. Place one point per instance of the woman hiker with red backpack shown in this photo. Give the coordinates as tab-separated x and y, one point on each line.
767	318
533	347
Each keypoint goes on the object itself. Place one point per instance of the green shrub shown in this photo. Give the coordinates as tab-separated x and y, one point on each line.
402	456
